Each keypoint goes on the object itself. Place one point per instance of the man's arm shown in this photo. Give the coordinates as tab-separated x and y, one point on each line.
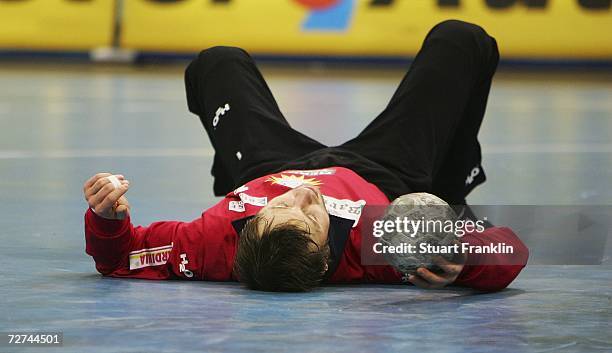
493	271
481	271
160	251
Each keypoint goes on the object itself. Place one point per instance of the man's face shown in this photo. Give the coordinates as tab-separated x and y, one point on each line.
302	206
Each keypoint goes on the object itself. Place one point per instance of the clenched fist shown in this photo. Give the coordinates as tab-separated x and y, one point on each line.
104	198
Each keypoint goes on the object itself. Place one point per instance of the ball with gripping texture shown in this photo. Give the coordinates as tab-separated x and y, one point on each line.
430	211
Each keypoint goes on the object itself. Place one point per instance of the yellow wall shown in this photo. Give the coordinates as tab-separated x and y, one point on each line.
56	24
562	29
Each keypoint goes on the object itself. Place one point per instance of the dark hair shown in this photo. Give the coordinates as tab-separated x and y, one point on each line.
280	259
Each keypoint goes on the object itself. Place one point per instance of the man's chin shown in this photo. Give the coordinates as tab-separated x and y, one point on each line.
314	189
317	191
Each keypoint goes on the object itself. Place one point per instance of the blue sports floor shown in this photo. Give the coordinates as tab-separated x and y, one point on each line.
547	140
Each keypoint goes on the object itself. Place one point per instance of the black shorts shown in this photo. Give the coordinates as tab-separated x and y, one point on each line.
424	141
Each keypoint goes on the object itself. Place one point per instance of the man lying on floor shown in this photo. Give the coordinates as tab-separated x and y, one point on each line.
290	219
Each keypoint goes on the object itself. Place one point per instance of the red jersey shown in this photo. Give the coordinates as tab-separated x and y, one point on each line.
204	249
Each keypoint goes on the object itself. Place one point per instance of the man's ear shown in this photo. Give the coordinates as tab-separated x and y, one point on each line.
326	267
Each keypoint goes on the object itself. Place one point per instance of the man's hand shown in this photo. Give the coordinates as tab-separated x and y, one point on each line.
106	200
425	278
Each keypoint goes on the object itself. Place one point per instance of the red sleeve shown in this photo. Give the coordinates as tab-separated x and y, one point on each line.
160	251
493	271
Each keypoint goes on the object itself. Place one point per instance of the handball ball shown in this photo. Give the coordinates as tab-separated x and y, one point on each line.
433	213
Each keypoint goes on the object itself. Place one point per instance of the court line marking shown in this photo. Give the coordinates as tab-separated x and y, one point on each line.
488	149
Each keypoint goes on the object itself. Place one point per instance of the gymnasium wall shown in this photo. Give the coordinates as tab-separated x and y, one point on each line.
56	24
526	29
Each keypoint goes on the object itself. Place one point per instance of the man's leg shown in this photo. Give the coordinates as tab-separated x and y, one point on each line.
428	132
245	126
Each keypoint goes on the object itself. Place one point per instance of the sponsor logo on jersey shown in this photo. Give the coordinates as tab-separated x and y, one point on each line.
243	188
314	172
293	181
347	209
183	266
236	206
150	257
253	200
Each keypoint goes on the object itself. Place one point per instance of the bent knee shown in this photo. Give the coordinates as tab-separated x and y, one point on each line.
460	32
467	35
221	53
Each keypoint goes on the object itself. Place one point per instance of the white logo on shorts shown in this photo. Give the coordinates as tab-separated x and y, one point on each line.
219	113
470	178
